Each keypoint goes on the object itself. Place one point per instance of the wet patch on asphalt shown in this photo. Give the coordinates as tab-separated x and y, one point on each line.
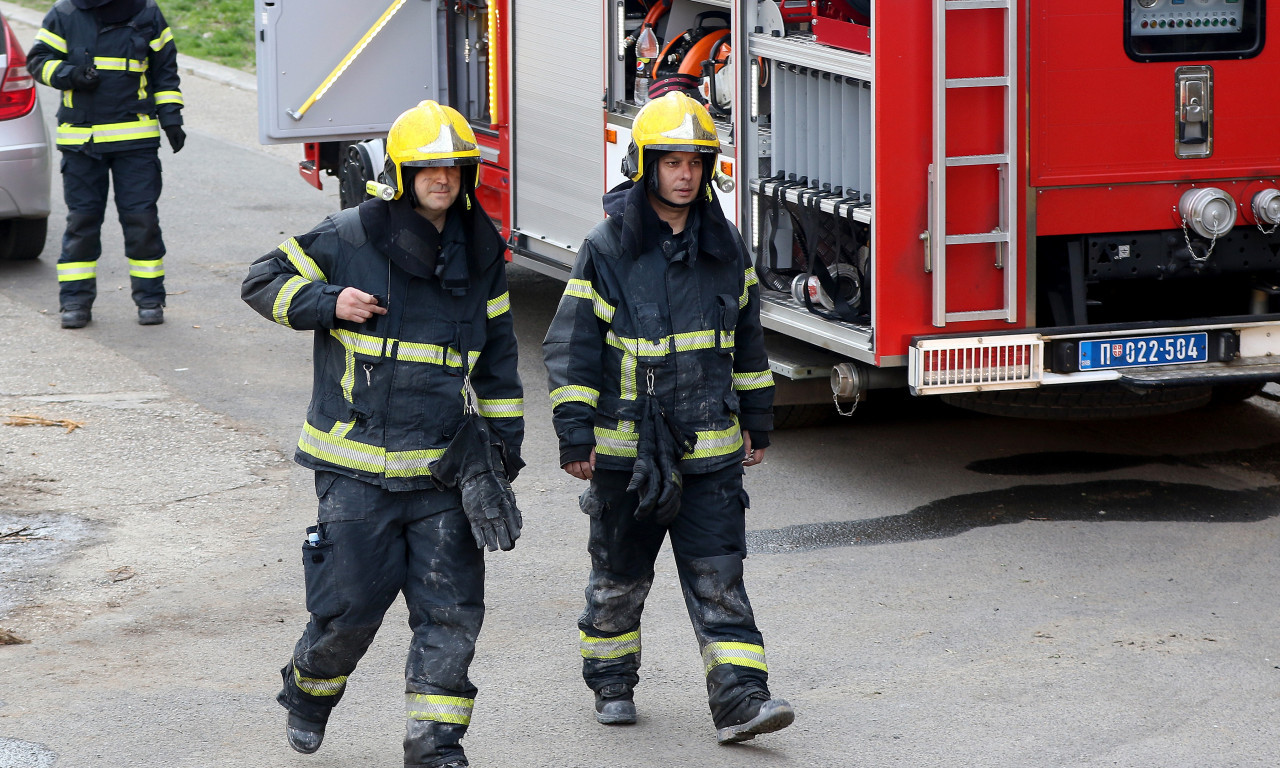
30	543
1096	502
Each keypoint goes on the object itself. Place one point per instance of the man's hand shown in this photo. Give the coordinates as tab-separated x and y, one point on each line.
583	470
84	78
356	306
177	137
753	455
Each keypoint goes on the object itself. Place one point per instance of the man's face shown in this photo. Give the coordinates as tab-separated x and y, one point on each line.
679	176
437	187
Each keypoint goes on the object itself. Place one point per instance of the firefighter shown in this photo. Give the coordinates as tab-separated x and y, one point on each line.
408	300
661	394
117	67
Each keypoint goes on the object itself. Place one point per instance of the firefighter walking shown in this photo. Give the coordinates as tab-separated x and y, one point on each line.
117	67
408	300
662	393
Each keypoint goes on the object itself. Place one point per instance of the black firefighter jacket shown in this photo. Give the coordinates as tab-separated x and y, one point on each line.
388	393
137	65
684	308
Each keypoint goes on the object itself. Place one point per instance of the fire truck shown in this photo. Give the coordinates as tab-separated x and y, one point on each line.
1028	207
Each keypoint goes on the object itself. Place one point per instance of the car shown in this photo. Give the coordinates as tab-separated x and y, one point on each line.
25	152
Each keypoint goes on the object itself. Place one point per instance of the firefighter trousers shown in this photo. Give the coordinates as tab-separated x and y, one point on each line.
708	539
86	177
374	544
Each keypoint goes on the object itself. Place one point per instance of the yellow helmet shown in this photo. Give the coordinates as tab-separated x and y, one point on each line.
429	134
672	122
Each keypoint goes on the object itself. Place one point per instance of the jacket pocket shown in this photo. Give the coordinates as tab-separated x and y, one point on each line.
728	322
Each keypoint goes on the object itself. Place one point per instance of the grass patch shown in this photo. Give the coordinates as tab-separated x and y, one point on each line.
213	30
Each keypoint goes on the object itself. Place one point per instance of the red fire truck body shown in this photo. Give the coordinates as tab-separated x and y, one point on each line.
1017	202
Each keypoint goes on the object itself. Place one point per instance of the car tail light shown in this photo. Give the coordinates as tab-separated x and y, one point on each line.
17	88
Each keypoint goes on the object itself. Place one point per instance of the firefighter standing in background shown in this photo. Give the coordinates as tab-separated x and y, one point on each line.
405	297
662	393
117	67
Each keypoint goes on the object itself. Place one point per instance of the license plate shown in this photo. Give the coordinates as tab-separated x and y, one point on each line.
1165	349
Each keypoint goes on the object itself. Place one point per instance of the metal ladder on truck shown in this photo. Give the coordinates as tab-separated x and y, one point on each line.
1004	236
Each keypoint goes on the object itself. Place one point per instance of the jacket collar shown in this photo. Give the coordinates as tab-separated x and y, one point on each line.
642	230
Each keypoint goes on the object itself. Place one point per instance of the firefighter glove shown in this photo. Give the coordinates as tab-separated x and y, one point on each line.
656	476
473	463
84	78
177	137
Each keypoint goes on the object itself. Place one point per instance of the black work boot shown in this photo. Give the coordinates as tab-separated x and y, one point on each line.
150	315
756	714
303	735
76	318
615	705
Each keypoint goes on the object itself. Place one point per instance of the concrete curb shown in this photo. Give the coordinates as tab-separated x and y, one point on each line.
187	64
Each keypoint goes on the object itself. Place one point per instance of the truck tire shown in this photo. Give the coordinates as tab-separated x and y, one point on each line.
22	239
1236	392
355	170
1086	401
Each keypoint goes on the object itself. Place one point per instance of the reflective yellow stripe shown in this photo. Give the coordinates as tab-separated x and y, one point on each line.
608	647
441	709
411	463
149	268
111	64
582	289
362	343
628	371
164	39
752	380
169	97
639	347
738	654
280	310
575	394
615	442
341	451
501	409
718	442
144	128
495	307
694	340
751	279
348	381
142	87
319	686
70	134
305	265
51	40
77	270
48	69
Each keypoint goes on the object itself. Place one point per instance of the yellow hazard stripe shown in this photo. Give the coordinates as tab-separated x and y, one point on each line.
284	299
77	270
148	268
738	654
575	394
440	709
164	39
495	307
53	41
608	647
306	266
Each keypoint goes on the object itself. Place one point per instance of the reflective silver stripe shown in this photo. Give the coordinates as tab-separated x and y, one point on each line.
717	442
583	289
501	409
77	270
280	310
738	654
752	380
575	394
608	647
111	64
48	69
145	128
749	274
411	463
639	347
628	385
53	41
413	352
359	342
169	97
165	38
305	265
348	380
615	442
441	709
341	451
495	307
687	342
319	686
149	268
72	135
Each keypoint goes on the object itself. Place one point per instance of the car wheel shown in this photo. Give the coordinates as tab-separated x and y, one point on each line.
22	239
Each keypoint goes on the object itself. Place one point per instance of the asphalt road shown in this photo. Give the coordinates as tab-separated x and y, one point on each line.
936	588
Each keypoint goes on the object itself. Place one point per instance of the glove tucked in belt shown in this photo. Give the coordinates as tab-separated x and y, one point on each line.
474	463
656	474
